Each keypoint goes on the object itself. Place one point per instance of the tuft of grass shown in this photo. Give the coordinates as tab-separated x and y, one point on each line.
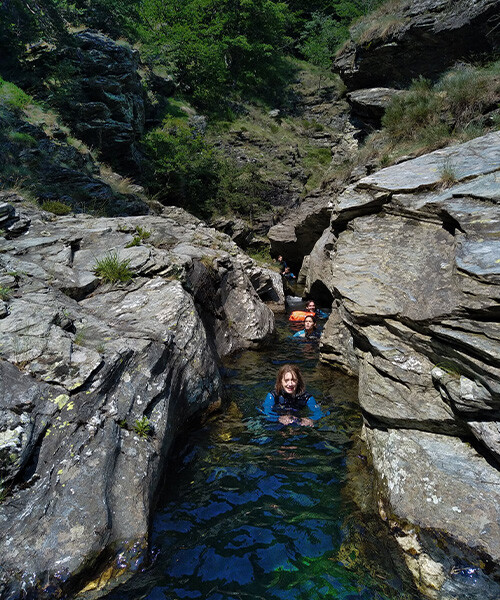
449	367
141	236
55	207
112	269
5	293
12	96
24	139
419	109
448	174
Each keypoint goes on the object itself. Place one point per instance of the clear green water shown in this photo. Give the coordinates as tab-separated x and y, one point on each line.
258	510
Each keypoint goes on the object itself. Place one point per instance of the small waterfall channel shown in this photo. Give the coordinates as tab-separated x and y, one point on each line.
255	509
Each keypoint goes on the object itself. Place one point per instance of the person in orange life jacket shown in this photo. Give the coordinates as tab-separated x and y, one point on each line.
289	397
309	331
300	315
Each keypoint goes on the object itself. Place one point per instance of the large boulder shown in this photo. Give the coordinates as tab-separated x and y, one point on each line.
97	378
414	268
418	38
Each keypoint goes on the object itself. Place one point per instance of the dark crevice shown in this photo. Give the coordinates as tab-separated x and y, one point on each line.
74	247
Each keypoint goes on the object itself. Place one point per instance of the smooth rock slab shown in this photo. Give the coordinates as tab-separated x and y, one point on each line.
438	487
412	278
476	157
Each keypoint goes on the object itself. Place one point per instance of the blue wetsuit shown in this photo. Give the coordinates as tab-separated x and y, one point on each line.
321	314
302	334
278	404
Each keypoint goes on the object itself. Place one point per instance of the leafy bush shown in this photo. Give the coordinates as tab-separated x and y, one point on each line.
112	269
185	166
217	49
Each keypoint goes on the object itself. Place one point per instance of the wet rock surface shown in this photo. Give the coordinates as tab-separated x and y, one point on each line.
97	379
413	269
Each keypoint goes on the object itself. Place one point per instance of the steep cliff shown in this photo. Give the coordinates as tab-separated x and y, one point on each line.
412	261
408	39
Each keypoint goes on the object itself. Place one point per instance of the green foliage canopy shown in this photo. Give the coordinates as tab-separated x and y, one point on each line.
218	46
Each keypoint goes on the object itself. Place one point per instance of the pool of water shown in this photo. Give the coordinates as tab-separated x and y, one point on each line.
255	509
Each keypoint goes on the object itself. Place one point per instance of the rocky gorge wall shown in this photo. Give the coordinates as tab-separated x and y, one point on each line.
413	267
97	379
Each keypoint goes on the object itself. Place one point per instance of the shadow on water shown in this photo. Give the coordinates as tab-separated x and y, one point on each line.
254	509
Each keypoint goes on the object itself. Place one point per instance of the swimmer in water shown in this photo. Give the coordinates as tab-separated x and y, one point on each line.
309	332
289	399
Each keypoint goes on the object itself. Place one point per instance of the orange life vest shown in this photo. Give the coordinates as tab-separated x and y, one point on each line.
300	315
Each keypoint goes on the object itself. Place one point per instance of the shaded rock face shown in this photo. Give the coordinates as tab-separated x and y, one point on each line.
296	235
428	38
54	170
107	102
97	379
368	107
414	270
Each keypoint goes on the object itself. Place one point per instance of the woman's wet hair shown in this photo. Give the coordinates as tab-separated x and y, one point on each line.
295	371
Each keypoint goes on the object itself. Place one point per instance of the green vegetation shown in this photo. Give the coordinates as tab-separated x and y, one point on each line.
24	139
445	110
140	236
462	105
448	174
56	207
449	367
188	170
218	47
381	20
112	269
143	427
5	293
13	97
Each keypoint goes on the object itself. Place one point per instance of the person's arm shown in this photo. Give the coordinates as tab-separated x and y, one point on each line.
268	407
315	409
300	334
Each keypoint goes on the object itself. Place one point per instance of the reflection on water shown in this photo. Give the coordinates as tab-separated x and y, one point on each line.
256	509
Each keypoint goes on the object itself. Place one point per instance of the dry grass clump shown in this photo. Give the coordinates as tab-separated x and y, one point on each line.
463	105
383	22
454	109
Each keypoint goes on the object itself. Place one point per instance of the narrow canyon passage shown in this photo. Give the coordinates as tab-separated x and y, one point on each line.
255	509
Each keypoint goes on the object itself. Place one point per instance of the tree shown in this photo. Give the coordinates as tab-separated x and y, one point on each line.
218	47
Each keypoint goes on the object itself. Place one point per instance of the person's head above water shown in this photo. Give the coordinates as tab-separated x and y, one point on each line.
311	306
309	324
290	380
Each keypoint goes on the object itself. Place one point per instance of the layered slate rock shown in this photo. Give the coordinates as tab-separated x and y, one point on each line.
420	38
414	268
96	380
106	103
